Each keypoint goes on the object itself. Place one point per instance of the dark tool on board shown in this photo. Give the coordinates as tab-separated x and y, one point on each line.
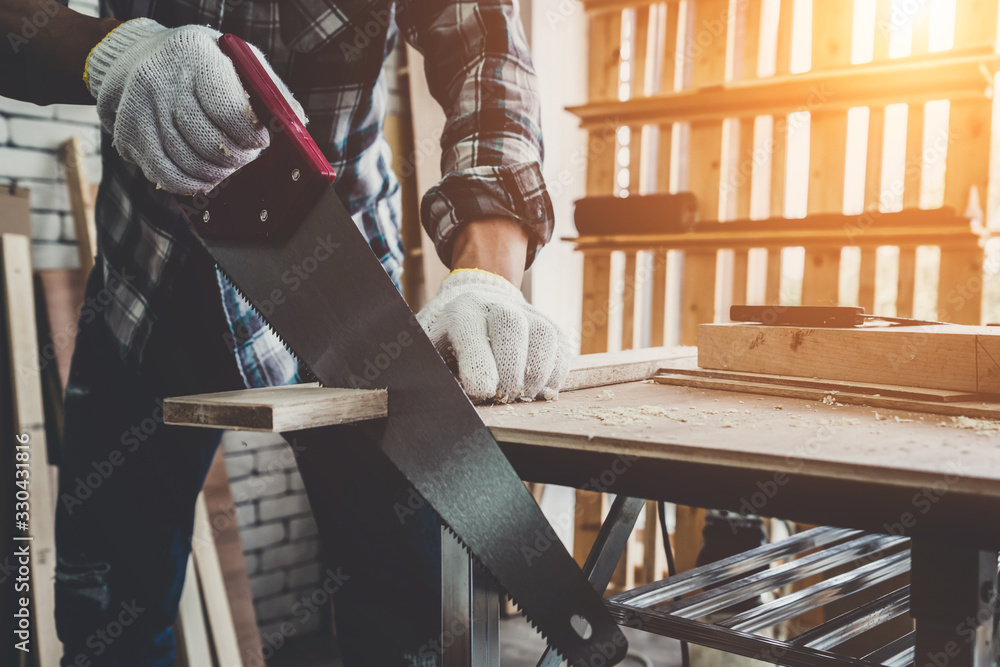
815	316
281	235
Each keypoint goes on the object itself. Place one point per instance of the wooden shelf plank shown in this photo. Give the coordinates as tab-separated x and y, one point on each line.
965	74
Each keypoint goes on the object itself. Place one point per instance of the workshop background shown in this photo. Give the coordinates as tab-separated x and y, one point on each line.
276	526
276	530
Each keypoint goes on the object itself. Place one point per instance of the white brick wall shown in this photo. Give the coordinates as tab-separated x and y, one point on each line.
29	140
30	136
277	530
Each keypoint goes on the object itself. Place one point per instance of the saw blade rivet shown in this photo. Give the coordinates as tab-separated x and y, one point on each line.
295	174
206	216
263	215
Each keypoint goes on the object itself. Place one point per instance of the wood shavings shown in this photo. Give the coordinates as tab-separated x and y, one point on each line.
623	416
225	151
829	400
982	426
900	420
880	418
605	395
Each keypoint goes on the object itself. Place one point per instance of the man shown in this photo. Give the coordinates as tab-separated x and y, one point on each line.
176	120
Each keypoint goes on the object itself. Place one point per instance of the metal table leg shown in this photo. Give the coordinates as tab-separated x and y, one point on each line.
953	600
470	609
606	552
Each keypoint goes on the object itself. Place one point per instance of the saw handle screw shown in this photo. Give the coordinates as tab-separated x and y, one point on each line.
206	216
296	174
263	215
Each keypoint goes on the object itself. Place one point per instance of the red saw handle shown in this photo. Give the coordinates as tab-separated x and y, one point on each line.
268	197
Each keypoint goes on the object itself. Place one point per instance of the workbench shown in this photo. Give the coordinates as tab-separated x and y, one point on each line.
929	477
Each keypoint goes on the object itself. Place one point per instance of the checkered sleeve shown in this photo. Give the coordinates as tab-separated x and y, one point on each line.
478	68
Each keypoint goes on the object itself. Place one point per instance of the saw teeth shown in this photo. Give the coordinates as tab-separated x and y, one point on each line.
305	372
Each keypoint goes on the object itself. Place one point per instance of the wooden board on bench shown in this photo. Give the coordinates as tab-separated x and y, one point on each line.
948	357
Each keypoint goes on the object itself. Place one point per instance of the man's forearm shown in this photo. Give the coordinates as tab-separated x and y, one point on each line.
496	245
44	50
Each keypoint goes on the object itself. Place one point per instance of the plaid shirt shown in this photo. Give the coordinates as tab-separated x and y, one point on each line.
331	55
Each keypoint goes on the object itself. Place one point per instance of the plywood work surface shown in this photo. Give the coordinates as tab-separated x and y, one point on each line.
765	433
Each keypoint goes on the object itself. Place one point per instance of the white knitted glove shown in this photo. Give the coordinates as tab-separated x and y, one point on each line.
504	348
174	104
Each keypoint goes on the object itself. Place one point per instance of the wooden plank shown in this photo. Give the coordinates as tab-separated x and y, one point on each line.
658	298
301	406
15	211
193	645
704	160
688	527
779	128
961	74
668	64
605	31
976	23
866	279
937	357
641	54
913	168
821	280
71	155
832	25
967	173
873	159
628	302
213	586
906	281
29	425
596	302
976	409
222	517
652	546
747	45
883	28
682	368
588	517
64	291
277	409
599	370
772	288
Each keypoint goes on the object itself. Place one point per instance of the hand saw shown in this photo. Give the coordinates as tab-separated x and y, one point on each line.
278	231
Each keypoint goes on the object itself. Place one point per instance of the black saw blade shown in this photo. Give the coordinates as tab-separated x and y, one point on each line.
326	295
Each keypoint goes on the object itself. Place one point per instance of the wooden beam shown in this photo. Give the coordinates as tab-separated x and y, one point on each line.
596	302
222	517
71	154
952	357
213	585
964	74
29	425
193	645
